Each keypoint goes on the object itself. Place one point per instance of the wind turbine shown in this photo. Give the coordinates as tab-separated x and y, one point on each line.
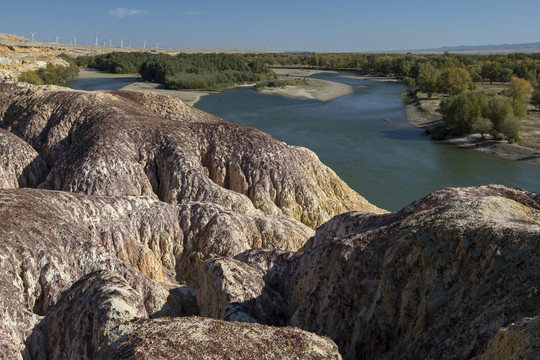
110	42
96	41
157	45
121	43
75	42
33	35
144	42
57	39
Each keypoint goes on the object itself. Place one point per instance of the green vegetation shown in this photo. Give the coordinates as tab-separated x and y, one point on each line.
280	83
476	111
52	74
184	71
535	99
452	77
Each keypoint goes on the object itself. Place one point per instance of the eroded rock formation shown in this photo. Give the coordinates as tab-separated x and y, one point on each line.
436	280
157	194
20	164
232	290
517	341
51	239
114	143
102	317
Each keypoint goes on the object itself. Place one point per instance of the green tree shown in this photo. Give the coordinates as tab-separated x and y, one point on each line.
454	81
428	77
482	125
506	116
461	112
410	83
510	127
491	71
535	99
31	77
519	89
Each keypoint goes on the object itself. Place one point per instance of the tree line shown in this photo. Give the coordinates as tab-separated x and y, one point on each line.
184	71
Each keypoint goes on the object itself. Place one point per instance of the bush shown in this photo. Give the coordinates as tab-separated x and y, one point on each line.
51	74
281	83
31	77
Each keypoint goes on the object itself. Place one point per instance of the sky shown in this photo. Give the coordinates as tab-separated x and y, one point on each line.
277	25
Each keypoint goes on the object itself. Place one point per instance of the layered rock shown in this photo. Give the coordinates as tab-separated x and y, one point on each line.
517	341
51	239
232	290
203	338
102	317
114	143
79	324
436	280
20	164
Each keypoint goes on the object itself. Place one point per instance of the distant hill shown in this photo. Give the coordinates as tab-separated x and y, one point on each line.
481	49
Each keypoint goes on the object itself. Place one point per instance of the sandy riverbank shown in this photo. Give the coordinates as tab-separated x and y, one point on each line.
322	90
418	117
190	97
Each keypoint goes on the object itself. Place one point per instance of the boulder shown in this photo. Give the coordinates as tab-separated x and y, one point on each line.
436	280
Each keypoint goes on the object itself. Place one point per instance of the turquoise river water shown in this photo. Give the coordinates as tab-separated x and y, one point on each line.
365	138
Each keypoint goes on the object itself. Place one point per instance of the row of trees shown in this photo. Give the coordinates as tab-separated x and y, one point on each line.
492	68
184	71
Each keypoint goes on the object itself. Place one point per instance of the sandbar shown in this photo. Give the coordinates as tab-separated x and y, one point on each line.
322	90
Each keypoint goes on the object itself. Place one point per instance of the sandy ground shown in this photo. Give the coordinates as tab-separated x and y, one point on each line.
321	90
423	118
189	97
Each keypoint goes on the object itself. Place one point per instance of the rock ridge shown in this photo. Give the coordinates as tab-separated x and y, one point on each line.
439	278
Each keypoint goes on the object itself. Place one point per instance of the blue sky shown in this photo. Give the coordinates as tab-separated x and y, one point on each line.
293	25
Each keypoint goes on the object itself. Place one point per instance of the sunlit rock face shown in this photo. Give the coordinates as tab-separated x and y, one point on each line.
439	278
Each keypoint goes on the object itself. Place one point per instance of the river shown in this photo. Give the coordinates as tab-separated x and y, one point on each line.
365	138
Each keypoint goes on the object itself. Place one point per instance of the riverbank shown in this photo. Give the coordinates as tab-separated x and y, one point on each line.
321	90
425	118
189	97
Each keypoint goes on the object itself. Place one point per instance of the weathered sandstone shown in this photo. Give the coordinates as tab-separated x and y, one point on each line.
437	279
102	317
79	324
232	290
20	164
519	341
203	338
51	239
125	143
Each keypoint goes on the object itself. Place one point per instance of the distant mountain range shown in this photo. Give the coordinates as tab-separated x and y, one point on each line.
481	49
